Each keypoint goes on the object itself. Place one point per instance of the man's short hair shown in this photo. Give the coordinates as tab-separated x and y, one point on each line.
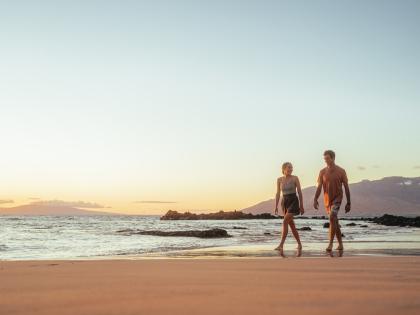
331	153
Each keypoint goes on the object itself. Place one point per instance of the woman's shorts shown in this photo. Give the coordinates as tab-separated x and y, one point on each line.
290	204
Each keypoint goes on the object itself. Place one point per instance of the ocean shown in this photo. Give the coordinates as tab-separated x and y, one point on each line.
98	237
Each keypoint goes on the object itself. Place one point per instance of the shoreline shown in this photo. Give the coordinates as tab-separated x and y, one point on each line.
314	250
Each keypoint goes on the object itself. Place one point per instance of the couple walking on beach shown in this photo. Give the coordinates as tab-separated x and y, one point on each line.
331	179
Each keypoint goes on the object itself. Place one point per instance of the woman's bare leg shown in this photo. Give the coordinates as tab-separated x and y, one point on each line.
284	231
295	233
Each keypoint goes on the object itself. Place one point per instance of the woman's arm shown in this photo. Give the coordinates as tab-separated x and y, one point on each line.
277	196
299	190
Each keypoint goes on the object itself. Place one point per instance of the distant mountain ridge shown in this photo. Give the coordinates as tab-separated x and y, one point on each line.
39	209
393	195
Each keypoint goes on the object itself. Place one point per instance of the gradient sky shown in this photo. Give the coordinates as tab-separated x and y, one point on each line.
199	102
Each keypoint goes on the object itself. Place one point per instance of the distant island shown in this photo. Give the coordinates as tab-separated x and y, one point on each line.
53	210
221	215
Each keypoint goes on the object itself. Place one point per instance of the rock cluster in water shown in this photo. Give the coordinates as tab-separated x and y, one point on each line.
327	225
394	220
212	233
305	228
221	215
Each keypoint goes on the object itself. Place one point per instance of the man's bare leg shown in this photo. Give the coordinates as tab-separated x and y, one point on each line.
284	232
339	237
333	229
295	233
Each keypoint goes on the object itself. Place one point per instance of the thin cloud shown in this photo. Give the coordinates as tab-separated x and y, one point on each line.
75	204
34	198
3	201
361	168
375	166
416	167
154	201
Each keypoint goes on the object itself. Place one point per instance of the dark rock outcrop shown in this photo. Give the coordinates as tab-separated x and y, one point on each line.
322	217
327	225
394	220
221	215
305	228
351	224
212	233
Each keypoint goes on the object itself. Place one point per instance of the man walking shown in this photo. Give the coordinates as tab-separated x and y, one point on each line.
331	179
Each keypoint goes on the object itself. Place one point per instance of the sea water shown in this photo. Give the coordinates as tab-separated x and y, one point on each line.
84	237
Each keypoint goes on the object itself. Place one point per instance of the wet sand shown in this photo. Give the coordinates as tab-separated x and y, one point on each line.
348	285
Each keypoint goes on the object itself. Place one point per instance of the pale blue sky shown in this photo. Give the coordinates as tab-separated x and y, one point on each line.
201	101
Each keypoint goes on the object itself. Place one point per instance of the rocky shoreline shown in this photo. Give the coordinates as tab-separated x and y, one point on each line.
221	215
386	219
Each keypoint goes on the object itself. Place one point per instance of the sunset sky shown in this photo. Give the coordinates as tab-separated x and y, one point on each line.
144	106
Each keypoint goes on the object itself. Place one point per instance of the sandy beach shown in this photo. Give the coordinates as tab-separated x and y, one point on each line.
362	285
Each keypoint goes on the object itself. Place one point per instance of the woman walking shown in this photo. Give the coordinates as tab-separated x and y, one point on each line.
291	205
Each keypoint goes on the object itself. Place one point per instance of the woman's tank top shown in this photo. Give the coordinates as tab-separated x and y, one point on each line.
288	187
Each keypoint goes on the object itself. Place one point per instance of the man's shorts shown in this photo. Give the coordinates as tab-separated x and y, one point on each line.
334	208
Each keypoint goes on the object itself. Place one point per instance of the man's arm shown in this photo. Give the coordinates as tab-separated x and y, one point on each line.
318	191
277	196
347	191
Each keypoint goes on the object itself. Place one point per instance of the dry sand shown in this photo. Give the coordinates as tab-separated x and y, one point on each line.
350	285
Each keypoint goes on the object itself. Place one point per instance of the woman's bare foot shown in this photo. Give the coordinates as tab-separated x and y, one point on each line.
280	247
281	252
340	247
329	248
299	247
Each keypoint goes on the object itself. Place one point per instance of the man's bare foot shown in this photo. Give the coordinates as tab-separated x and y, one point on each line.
340	247
329	248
